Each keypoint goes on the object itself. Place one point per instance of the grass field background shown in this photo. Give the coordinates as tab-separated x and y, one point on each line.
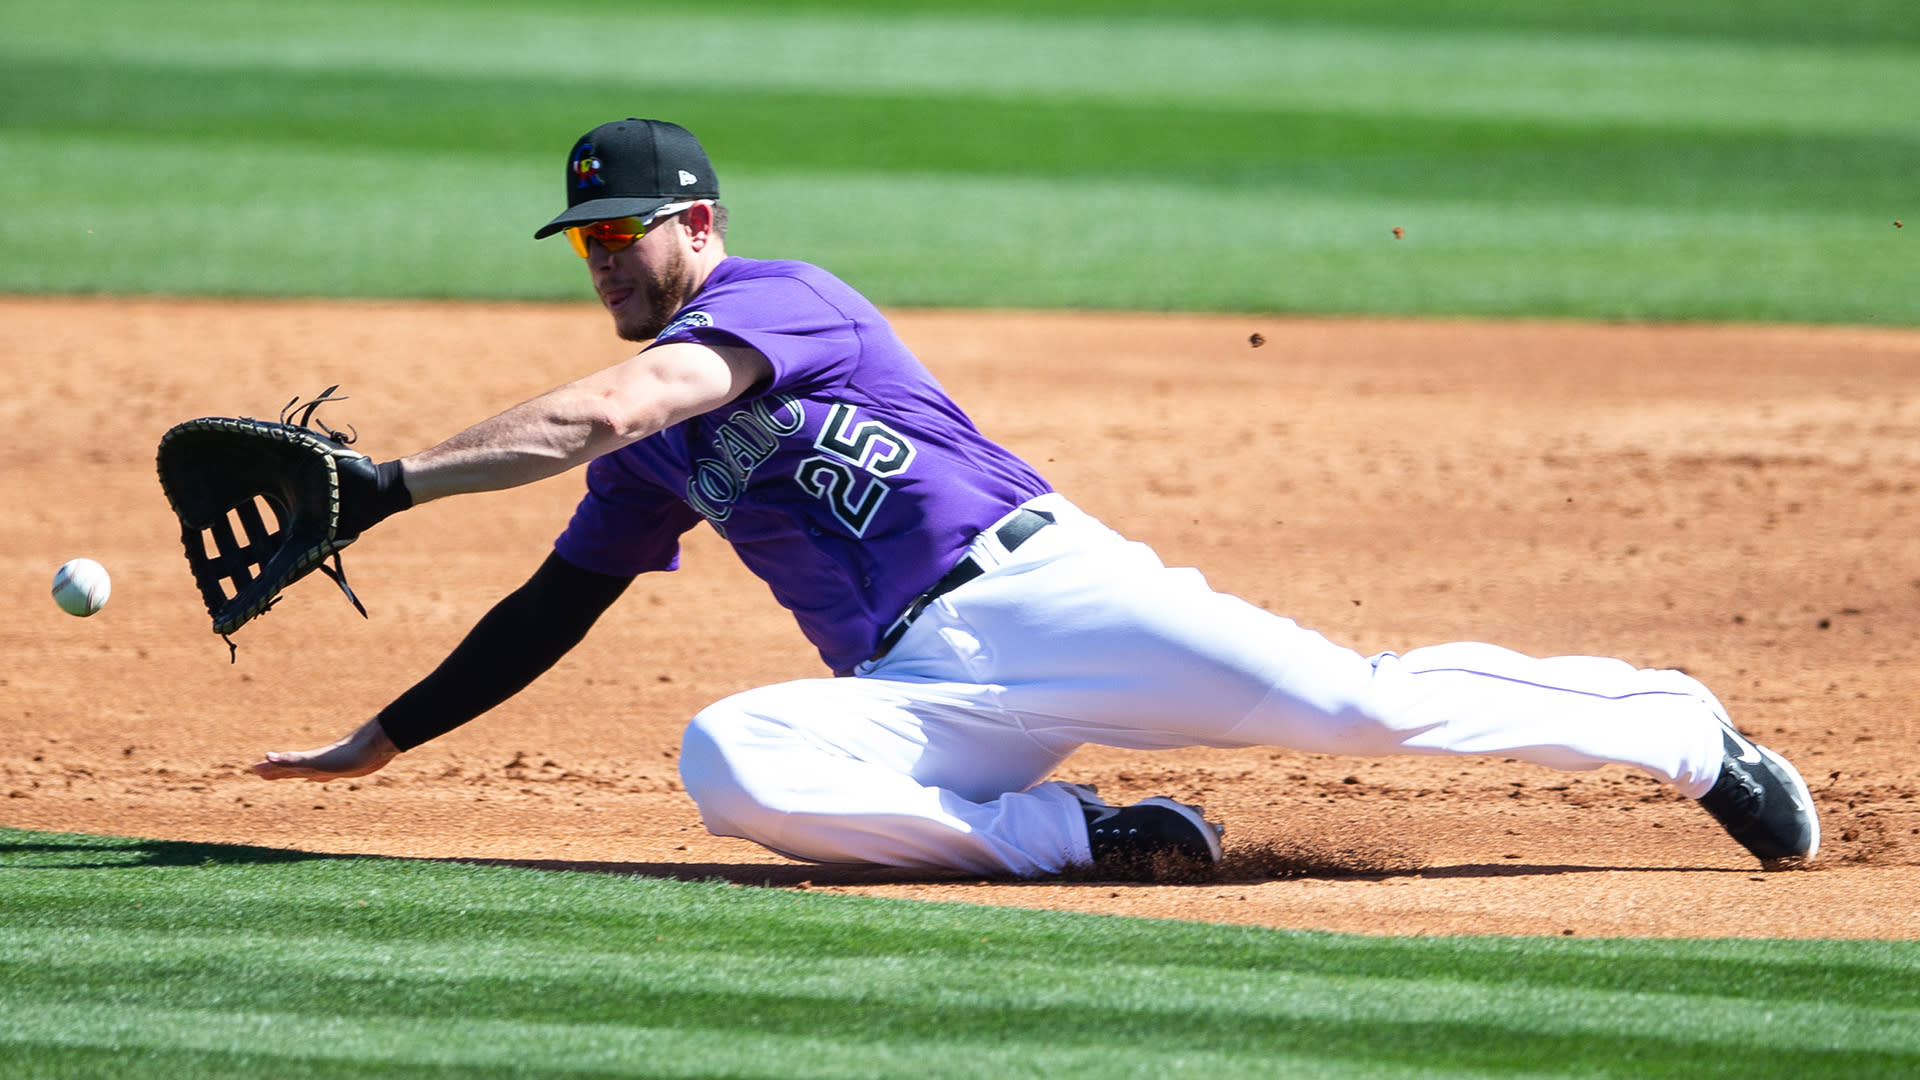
1710	160
149	959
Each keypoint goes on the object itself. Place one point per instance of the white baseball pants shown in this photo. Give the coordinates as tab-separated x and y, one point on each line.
934	756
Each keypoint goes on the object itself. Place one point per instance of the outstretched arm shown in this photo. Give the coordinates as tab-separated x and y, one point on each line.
584	419
556	431
525	634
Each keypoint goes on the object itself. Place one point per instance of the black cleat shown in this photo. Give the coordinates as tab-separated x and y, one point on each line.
1137	833
1763	802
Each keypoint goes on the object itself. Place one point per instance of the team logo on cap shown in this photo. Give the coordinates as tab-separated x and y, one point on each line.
586	167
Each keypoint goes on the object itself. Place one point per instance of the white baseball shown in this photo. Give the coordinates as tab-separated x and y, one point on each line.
81	587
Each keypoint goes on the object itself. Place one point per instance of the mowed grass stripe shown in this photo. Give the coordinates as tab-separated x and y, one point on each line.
1436	70
238	219
245	219
1875	22
494	119
205	229
63	888
1300	247
1182	1006
309	1047
214	958
761	1037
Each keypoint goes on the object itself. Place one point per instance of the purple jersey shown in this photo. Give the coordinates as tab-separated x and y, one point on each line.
849	484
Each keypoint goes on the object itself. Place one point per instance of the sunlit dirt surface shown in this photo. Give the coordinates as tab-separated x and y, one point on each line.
1736	501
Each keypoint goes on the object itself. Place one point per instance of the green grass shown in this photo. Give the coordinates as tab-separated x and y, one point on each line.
136	958
1707	160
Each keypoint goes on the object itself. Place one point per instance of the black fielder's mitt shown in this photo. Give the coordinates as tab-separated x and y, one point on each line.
263	504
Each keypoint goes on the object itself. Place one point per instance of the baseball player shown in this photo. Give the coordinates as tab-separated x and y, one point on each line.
979	626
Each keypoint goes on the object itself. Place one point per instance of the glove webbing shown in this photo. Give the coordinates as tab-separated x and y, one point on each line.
234	561
230	559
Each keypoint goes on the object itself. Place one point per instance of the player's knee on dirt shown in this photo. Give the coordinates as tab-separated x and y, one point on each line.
712	779
758	780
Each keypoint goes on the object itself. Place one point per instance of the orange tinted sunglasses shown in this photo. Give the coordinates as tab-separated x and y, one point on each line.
614	234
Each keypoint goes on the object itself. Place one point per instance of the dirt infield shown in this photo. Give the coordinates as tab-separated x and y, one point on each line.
1735	501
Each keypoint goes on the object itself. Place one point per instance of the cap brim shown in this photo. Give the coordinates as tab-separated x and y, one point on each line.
587	213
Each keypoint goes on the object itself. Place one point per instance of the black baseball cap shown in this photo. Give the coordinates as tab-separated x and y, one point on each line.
631	168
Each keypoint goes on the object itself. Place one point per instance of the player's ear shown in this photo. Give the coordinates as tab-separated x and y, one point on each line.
698	220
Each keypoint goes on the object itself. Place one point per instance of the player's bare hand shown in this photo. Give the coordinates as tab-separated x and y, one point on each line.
366	750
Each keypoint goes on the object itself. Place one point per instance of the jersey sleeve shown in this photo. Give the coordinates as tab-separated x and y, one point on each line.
624	525
812	345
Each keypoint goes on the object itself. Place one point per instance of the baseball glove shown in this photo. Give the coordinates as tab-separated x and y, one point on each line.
263	504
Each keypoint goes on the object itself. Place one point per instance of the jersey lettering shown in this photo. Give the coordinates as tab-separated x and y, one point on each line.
711	489
786	418
744	442
868	444
833	481
743	446
848	474
853	446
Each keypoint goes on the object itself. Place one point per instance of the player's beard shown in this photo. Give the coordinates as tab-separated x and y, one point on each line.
666	292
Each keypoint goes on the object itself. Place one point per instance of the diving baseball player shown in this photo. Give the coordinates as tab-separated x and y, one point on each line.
979	627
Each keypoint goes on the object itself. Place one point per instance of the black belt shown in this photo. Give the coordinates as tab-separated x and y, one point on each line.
1017	530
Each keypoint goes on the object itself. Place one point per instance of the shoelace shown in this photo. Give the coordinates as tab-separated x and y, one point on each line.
1737	794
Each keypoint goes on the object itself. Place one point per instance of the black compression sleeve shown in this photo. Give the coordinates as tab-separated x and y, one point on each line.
525	634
